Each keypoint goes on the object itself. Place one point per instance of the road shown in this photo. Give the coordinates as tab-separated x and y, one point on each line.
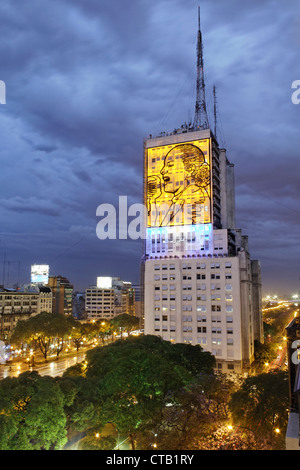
279	362
54	367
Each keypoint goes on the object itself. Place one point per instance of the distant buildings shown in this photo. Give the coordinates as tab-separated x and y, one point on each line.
55	294
62	295
21	304
110	297
79	305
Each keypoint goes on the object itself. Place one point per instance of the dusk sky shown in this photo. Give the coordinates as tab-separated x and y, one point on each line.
88	80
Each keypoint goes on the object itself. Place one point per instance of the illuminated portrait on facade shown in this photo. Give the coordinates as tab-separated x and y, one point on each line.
178	182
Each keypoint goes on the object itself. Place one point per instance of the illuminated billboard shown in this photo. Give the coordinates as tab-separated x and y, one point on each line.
178	184
104	282
39	273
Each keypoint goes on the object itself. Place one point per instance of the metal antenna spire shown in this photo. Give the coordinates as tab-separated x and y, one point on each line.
215	111
201	119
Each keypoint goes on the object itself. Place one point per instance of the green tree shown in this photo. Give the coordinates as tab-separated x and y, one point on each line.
125	323
81	331
264	352
91	442
261	405
82	404
136	378
31	413
42	329
192	415
104	329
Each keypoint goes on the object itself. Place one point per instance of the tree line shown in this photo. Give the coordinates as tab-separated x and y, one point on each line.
153	393
51	332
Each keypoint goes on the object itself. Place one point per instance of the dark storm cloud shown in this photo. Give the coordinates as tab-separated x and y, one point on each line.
35	205
88	80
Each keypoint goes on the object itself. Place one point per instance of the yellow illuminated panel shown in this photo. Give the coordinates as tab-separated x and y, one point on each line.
178	184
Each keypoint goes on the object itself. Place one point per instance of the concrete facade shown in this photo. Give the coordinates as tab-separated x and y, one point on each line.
21	304
200	284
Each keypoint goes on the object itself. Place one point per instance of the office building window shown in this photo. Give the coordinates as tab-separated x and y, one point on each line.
187	318
201	318
201	329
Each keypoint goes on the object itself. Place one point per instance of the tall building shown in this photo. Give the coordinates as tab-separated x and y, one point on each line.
200	284
62	291
292	437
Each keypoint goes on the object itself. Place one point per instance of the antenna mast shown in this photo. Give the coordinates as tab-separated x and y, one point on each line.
201	119
215	111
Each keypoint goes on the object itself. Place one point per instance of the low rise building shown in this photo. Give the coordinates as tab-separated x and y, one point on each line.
21	304
109	298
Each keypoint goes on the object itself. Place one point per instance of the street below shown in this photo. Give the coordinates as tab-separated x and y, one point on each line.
53	367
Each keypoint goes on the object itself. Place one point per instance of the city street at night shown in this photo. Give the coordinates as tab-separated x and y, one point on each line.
53	367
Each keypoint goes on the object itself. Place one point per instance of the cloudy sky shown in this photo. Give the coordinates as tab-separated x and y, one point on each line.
88	80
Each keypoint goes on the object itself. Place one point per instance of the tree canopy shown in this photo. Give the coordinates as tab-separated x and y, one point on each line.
31	413
125	323
41	329
138	376
261	404
150	391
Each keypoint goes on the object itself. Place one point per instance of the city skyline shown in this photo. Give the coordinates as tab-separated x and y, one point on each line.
85	84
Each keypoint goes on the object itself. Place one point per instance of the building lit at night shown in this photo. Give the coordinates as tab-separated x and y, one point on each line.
109	298
39	274
200	284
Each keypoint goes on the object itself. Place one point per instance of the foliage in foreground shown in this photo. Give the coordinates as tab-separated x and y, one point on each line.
153	392
32	413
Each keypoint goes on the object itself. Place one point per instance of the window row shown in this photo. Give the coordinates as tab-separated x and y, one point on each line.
189	318
203	340
199	308
228	287
189	297
185	266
